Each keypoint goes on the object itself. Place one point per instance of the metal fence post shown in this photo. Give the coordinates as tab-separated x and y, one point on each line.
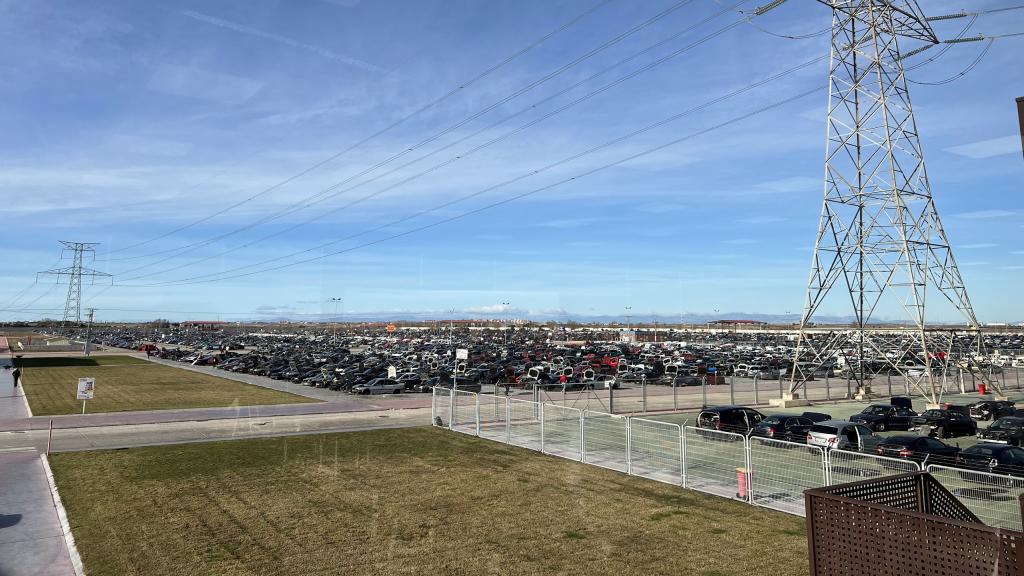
746	466
451	409
732	389
704	391
682	457
611	397
433	406
889	377
756	399
477	414
629	446
675	397
540	409
780	385
583	436
828	388
508	421
643	392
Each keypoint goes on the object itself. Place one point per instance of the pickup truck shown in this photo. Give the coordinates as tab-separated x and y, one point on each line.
379	386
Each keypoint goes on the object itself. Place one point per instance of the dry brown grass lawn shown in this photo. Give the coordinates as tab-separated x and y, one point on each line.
127	383
412	501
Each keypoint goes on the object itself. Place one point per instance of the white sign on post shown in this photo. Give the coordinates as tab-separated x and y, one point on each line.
86	388
462	354
392	372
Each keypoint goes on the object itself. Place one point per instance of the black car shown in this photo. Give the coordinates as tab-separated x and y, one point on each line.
882	417
738	419
991	409
993	458
1005	430
918	449
947	423
788	427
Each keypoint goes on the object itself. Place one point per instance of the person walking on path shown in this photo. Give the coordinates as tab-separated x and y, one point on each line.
16	375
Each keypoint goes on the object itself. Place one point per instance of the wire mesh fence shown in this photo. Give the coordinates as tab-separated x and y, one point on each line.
441	407
606	440
493	417
780	472
524	424
561	430
464	411
844	466
656	450
762	471
992	497
714	461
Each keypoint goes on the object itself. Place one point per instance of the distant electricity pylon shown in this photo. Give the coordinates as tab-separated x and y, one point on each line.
880	238
74	273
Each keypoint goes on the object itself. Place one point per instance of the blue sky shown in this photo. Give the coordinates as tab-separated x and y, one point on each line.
123	121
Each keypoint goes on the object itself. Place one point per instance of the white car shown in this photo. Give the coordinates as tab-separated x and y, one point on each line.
842	435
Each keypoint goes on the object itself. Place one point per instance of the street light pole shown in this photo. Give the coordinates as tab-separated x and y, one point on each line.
336	301
504	332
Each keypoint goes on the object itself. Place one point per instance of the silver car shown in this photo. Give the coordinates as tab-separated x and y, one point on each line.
842	435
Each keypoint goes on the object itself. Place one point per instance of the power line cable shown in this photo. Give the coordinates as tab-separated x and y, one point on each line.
963	72
734	120
462	86
586	56
467	153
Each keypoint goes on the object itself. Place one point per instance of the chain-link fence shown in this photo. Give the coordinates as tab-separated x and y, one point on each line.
762	471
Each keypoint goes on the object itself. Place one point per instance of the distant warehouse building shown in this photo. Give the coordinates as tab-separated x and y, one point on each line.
736	324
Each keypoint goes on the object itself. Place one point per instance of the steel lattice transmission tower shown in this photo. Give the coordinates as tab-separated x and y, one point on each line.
880	242
74	273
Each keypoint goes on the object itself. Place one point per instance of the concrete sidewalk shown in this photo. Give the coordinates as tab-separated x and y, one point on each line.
31	539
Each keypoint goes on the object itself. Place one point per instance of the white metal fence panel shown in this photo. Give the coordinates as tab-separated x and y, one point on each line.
656	450
713	460
464	412
845	466
994	498
441	408
562	431
524	424
781	471
493	415
606	440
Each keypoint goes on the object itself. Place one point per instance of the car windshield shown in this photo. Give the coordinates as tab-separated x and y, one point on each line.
876	410
1005	425
935	413
824	429
772	420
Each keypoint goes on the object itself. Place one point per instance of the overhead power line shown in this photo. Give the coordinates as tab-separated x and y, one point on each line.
462	86
528	87
462	156
579	176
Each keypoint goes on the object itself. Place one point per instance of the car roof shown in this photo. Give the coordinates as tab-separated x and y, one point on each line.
1017	419
835	423
993	446
901	439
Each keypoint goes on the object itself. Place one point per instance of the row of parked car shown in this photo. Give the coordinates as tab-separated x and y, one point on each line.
998	451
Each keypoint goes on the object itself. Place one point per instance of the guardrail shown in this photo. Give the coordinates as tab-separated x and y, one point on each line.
760	471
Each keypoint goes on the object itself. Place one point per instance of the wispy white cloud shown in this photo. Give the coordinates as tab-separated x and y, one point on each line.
192	82
988	148
984	214
222	23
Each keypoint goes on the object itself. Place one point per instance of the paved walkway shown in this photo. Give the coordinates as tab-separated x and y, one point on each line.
31	539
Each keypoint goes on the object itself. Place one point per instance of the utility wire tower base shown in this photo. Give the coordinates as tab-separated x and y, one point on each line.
881	247
74	274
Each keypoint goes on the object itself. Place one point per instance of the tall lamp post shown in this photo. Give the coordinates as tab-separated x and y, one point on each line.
337	302
504	307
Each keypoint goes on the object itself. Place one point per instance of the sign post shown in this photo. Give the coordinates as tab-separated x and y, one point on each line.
460	354
86	389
